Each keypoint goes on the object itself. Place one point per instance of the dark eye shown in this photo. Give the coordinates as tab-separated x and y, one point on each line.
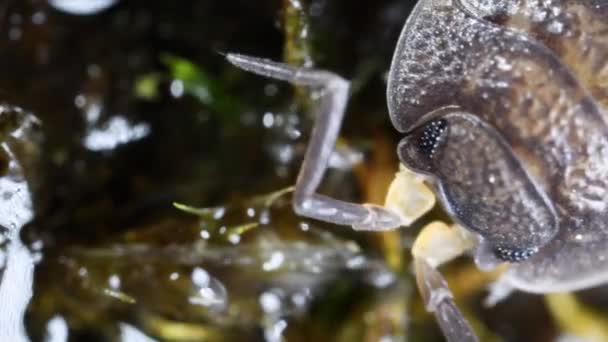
514	255
431	136
482	183
422	147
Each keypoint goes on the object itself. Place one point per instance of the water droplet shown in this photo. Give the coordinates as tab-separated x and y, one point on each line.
268	120
117	131
270	302
555	27
56	330
177	88
39	18
114	282
210	293
82	7
205	234
275	262
234	239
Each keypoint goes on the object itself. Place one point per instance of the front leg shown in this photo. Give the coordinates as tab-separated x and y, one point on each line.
438	299
330	112
437	244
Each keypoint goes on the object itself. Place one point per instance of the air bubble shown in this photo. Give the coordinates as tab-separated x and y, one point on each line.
555	27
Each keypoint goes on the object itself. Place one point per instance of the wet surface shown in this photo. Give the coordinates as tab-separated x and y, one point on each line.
123	108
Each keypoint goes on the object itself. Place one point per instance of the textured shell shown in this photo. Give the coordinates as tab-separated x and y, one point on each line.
536	72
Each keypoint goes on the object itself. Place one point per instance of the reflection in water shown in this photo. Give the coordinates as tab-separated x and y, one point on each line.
118	131
82	7
56	330
129	333
15	212
210	293
15	291
16	285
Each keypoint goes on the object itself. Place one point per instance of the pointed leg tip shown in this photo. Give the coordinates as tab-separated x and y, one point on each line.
221	52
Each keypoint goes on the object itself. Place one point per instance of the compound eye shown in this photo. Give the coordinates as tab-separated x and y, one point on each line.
482	183
424	145
514	255
431	137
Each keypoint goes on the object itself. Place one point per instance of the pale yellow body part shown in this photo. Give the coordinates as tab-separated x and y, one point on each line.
439	243
574	318
409	196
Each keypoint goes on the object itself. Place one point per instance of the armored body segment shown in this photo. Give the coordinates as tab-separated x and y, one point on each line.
496	198
575	30
517	74
575	259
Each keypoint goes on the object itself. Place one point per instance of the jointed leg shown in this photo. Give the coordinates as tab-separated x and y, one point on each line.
436	244
327	126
